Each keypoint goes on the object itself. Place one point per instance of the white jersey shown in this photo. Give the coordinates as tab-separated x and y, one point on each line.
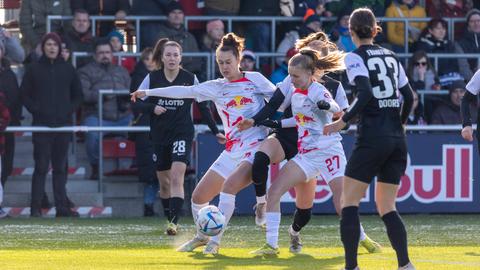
310	120
473	85
234	100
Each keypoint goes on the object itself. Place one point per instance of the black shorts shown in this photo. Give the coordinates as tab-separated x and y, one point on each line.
288	140
179	151
384	157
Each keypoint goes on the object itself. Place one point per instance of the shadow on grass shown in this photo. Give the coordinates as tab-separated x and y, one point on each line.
472	254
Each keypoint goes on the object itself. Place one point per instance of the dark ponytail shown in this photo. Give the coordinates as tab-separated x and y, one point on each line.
364	24
160	47
233	43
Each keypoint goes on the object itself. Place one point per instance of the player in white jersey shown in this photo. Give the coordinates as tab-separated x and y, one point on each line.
471	96
312	108
236	96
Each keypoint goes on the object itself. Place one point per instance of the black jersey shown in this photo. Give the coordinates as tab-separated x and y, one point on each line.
381	116
177	120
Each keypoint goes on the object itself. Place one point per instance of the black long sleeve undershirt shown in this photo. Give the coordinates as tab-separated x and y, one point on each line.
407	94
271	107
207	117
364	94
467	99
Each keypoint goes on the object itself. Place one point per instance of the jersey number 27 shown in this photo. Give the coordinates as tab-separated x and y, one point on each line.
381	66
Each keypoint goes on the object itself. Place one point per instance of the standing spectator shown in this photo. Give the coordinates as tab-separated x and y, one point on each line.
340	33
222	7
33	19
434	40
79	38
249	59
470	43
259	33
117	40
448	112
13	50
51	91
280	73
416	115
10	91
117	8
449	9
4	120
173	29
102	74
148	29
396	30
421	74
144	149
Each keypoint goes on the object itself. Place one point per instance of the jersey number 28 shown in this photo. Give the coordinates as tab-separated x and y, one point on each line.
381	66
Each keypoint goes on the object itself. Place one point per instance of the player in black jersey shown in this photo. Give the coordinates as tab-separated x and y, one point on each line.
380	150
171	127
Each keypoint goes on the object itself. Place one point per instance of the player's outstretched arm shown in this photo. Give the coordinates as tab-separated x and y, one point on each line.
467	131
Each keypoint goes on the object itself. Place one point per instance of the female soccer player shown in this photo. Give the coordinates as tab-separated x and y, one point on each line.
236	96
473	88
172	127
375	74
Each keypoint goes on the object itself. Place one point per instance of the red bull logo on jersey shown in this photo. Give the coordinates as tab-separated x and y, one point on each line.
302	119
450	181
238	102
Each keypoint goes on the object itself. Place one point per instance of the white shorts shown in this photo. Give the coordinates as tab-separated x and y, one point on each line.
329	163
227	162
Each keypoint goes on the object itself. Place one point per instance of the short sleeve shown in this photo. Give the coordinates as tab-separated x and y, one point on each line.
473	85
286	88
145	85
402	77
341	97
265	86
355	67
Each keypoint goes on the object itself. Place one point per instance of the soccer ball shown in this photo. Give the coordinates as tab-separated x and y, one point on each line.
210	221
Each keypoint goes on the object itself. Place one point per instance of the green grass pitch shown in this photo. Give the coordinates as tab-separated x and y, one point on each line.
436	242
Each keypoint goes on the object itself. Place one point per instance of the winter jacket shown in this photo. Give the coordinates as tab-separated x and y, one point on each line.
395	30
449	114
51	91
341	37
188	43
431	45
33	18
4	121
9	88
80	43
279	74
259	8
95	77
470	43
223	6
13	50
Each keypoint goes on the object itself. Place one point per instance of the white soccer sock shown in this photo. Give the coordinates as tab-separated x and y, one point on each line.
262	199
362	233
273	224
195	209
226	205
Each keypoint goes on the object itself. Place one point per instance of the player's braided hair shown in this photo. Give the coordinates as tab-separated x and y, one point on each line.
233	43
312	60
364	23
160	47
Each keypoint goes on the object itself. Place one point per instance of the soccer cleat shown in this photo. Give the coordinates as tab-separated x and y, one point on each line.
356	268
295	242
409	266
260	214
3	214
192	244
211	248
370	245
172	228
266	250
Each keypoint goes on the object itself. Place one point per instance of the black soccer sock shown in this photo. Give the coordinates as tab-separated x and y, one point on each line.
260	173
397	235
301	218
166	207
176	206
350	234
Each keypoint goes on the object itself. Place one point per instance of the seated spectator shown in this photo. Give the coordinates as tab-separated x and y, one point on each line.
148	29
396	30
249	59
142	68
416	116
470	43
449	9
66	53
13	50
117	40
33	19
79	38
11	93
222	7
341	35
51	92
434	40
102	74
448	112
258	34
281	72
421	74
117	8
4	120
211	39
173	29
